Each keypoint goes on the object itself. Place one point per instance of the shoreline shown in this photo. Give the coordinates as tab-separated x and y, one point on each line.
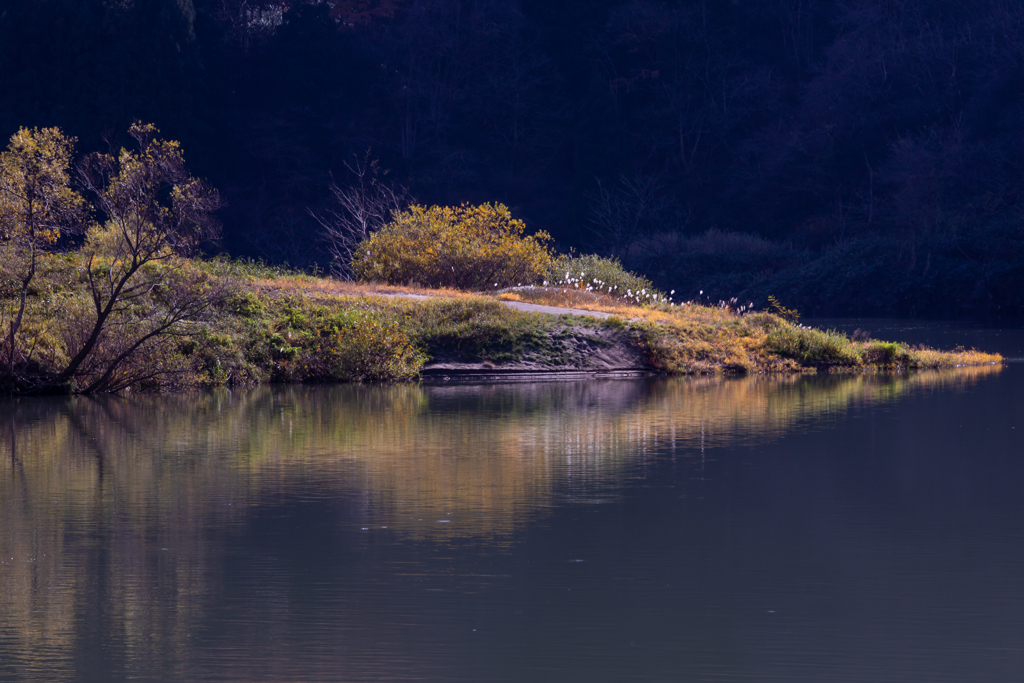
435	377
268	326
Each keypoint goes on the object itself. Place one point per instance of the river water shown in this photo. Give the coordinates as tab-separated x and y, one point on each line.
840	528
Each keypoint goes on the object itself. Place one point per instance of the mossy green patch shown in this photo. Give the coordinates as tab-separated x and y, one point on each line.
811	347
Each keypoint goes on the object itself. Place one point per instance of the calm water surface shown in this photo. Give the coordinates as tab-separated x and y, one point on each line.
857	528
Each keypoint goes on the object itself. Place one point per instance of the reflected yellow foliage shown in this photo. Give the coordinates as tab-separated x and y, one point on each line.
149	490
465	447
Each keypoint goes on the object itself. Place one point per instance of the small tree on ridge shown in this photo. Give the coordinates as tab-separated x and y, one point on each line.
37	206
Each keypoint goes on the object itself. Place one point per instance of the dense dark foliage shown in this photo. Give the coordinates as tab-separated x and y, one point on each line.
871	150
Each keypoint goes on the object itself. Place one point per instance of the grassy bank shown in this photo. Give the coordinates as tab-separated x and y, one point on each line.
696	339
270	325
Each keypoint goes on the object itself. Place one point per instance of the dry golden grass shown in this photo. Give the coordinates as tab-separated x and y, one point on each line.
686	338
683	339
594	301
931	358
678	339
694	339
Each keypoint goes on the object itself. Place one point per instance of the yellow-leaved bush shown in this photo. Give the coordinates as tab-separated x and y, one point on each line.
465	247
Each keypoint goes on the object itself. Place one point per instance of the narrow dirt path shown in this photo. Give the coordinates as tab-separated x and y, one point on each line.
553	310
517	305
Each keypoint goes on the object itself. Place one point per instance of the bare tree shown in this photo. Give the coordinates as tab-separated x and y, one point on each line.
796	19
137	346
140	294
623	213
363	207
248	21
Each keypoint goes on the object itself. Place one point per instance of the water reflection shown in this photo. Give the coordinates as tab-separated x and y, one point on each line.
432	451
116	513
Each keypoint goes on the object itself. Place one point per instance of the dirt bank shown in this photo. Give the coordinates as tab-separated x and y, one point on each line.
568	350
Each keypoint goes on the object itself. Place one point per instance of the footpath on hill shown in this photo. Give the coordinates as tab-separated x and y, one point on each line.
553	310
516	305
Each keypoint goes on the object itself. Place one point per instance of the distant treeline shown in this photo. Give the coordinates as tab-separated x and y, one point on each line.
847	156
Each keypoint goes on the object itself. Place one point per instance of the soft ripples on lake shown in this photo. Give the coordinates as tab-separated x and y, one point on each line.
802	528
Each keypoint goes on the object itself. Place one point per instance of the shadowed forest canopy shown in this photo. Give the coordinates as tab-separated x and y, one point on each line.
855	156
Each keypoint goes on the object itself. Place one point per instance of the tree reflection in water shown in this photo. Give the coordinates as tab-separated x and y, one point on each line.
144	491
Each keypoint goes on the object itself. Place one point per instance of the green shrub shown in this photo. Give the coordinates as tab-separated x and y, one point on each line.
812	347
602	275
294	339
466	247
245	269
368	347
315	343
245	304
887	353
472	330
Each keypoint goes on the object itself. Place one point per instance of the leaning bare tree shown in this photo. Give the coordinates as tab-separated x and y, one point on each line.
363	206
142	296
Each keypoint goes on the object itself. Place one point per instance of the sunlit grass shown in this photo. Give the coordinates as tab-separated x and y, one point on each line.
691	338
278	325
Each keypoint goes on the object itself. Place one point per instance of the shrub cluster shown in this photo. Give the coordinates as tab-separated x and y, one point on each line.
888	354
296	339
465	247
813	347
595	273
477	329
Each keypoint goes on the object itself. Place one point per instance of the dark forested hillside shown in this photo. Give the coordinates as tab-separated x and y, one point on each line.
849	157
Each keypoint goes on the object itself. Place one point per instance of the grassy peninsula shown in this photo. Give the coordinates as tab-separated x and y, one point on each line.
101	291
268	325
